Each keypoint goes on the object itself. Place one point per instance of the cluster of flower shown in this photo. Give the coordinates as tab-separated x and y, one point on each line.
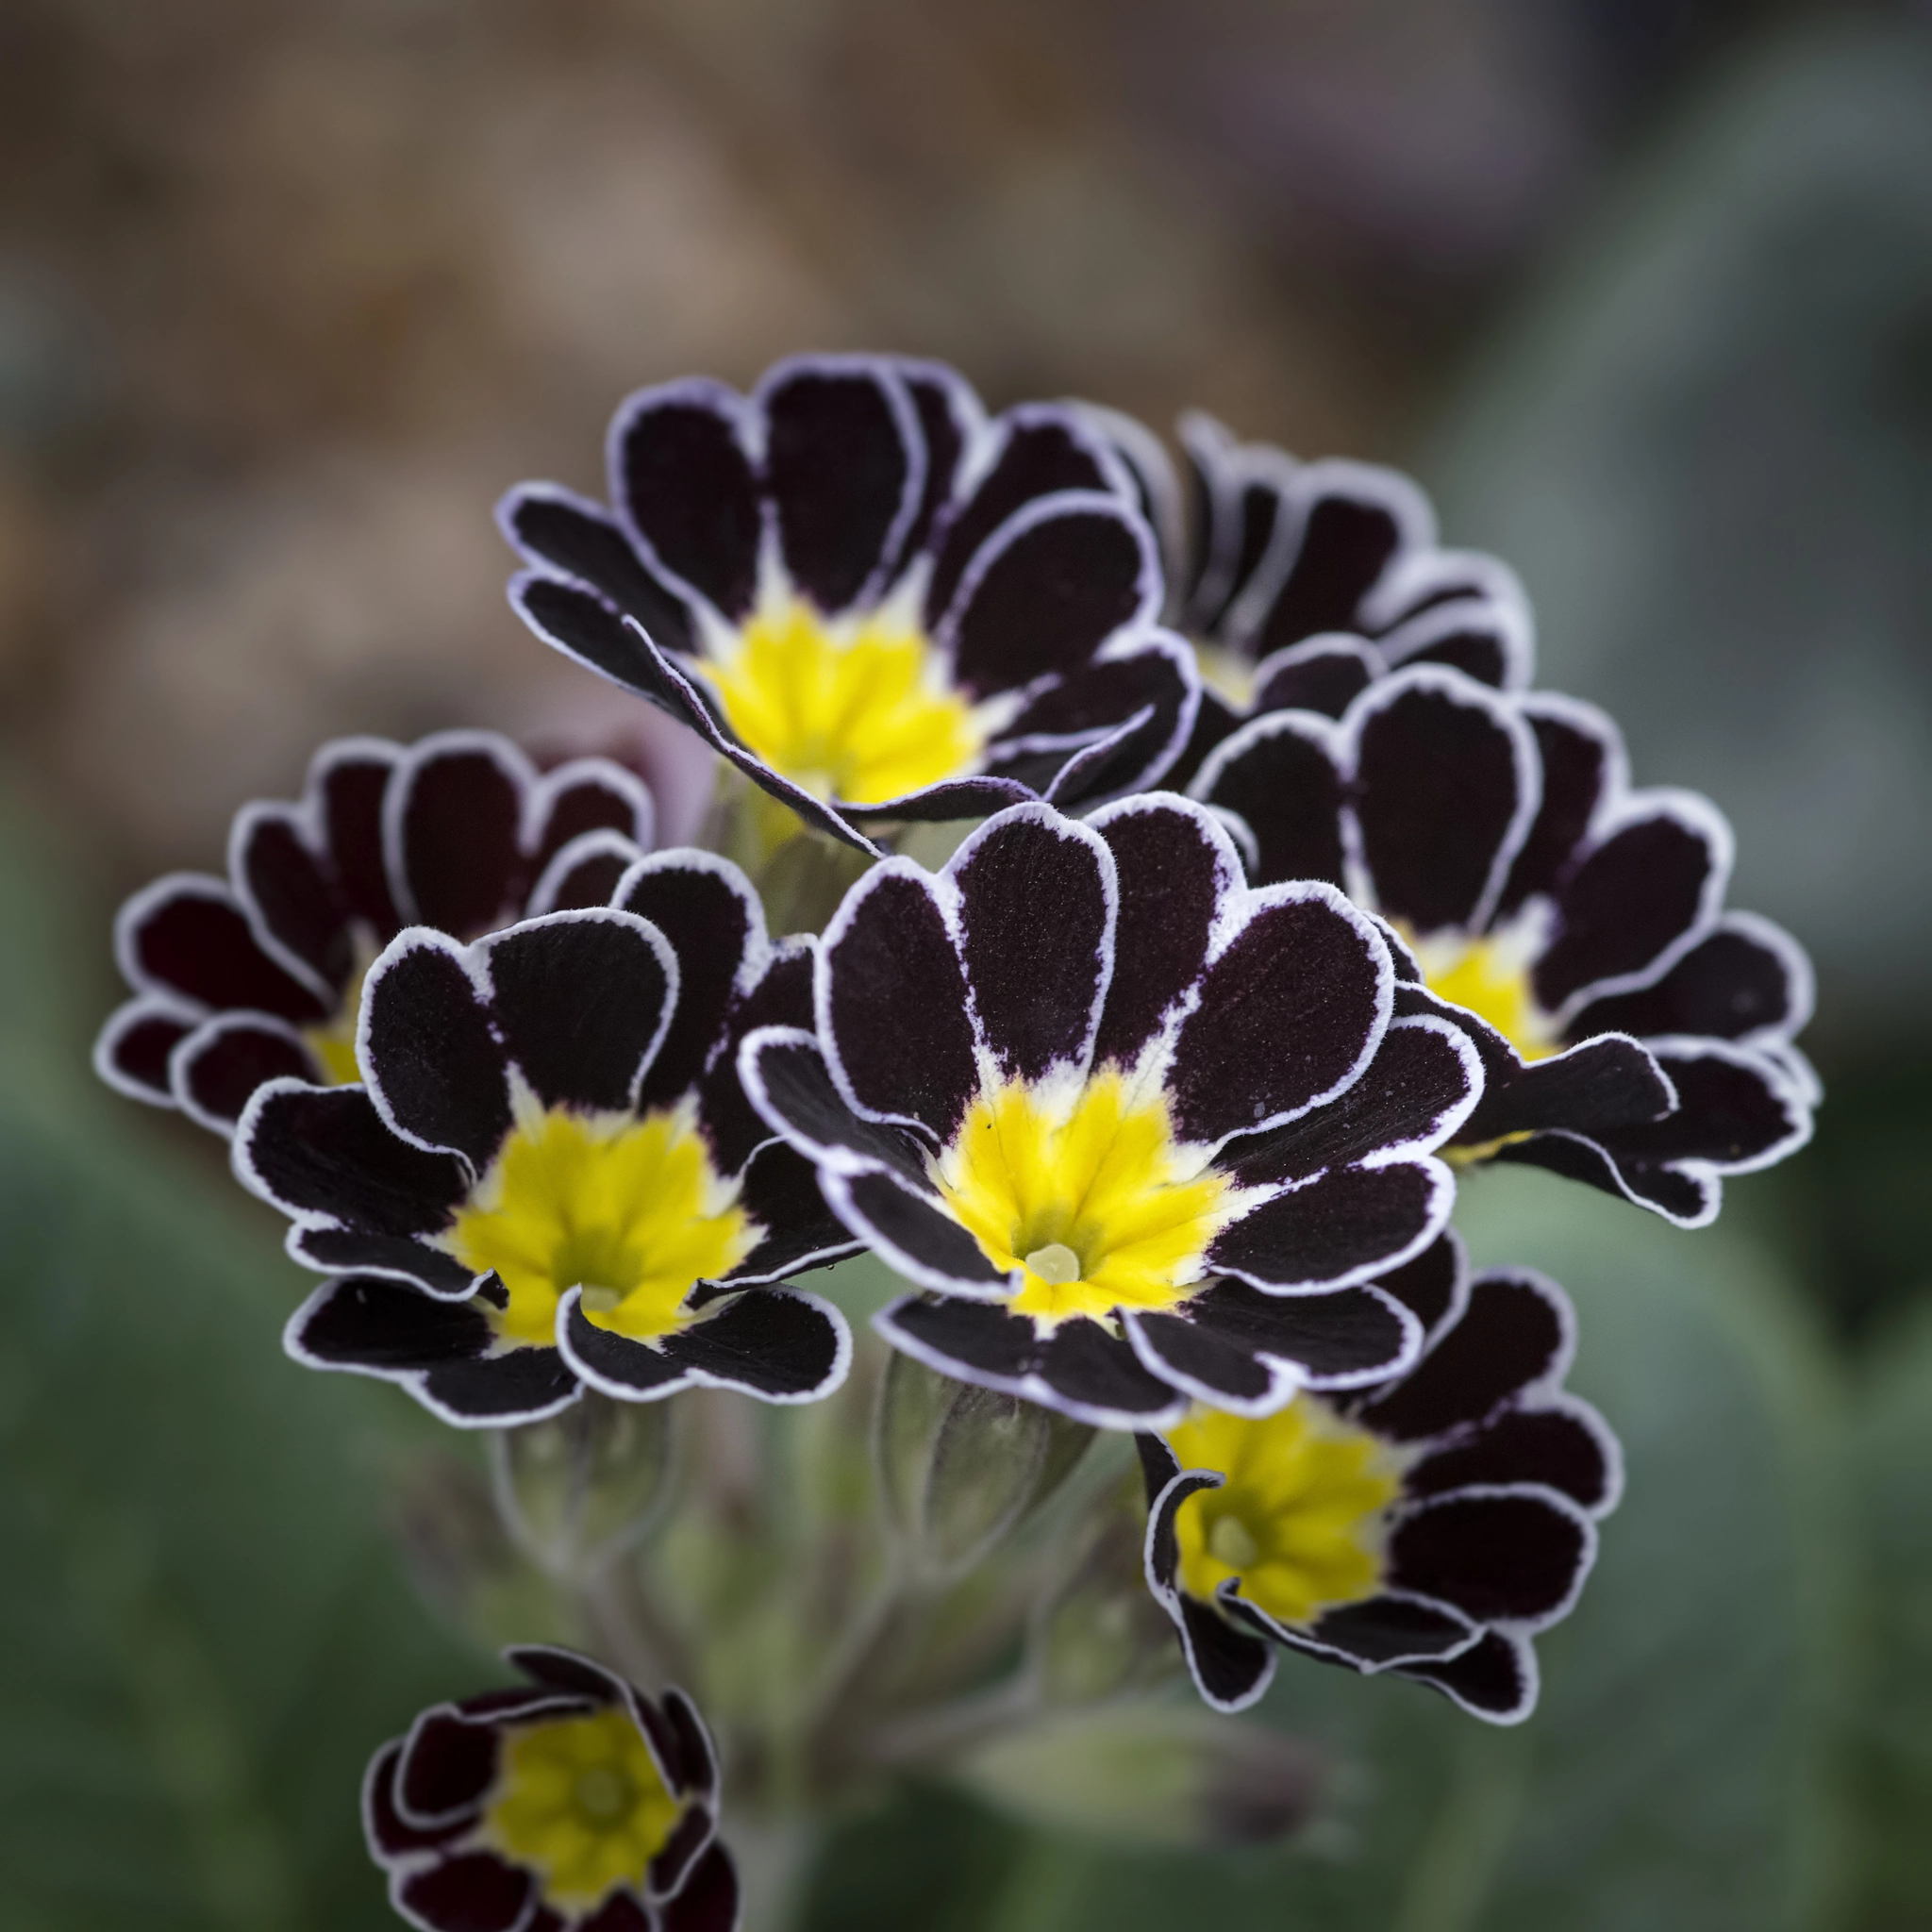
1290	899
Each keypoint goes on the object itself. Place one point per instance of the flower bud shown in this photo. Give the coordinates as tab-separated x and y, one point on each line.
1149	1775
962	1465
581	1487
1101	1632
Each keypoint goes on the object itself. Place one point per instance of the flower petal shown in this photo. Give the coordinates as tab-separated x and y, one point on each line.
1281	776
1344	1226
778	1345
1235	1348
1051	585
1037	898
132	1052
453	829
1416	1091
1231	1668
325	1151
435	1067
1745	980
1517	1333
384	1327
911	1233
348	778
1581	753
709	1899
581	1001
216	1069
1444	786
185	935
391	1836
1390	1628
341	1249
289	891
474	1892
893	1005
1034	451
683	481
1291	1011
1353	521
844	468
1324	674
557	530
1176	870
1562	1442
1506	1555
1495	1679
582	796
1655	878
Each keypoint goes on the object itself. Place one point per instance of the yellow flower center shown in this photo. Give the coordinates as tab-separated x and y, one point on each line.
1299	1519
1491	978
630	1210
1088	1193
859	709
580	1802
333	1042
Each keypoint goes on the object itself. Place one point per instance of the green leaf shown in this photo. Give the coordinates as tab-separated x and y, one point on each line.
1888	1455
203	1629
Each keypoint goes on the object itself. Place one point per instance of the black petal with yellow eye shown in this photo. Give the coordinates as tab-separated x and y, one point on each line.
238	980
434	1801
567	1043
849	485
985	1036
1633	1033
1504	1476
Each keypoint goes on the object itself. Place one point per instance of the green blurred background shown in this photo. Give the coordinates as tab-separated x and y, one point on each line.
1642	289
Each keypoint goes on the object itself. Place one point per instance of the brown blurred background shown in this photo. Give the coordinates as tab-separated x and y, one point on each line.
1642	288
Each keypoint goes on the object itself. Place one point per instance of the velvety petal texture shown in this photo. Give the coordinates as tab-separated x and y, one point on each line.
1140	1133
550	1178
574	1802
1427	1523
871	599
257	975
1303	583
1633	1032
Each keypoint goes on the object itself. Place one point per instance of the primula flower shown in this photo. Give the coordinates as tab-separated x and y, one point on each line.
1301	583
577	1805
866	595
1429	1525
1634	1033
1140	1130
552	1178
259	976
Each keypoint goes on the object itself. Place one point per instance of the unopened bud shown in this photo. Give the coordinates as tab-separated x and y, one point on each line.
1101	1632
1149	1774
962	1465
578	1489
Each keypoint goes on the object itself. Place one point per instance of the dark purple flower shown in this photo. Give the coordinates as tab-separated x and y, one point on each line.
1634	1033
552	1178
871	599
1302	583
259	976
577	1805
1143	1132
1429	1525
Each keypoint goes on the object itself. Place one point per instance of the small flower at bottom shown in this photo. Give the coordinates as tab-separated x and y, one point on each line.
1429	1525
577	1805
259	976
552	1178
1144	1133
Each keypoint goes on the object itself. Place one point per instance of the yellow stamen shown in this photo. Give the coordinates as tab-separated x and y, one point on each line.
859	710
1300	1517
1088	1193
630	1210
580	1802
